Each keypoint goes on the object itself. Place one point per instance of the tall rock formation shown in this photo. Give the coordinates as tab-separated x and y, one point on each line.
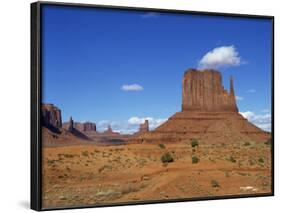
209	113
71	124
51	117
144	127
203	91
109	130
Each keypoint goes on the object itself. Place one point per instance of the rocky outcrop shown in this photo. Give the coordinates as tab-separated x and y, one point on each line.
209	113
88	126
109	130
82	127
76	132
203	91
144	127
70	124
51	117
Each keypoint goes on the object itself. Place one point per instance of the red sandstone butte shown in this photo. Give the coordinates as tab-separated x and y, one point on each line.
51	116
144	127
209	113
88	126
203	91
82	127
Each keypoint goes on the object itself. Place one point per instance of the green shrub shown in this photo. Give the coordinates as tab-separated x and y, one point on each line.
195	159
194	143
268	142
232	159
162	146
85	153
215	184
167	158
247	144
261	160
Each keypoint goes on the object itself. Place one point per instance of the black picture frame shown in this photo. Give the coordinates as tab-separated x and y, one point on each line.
36	97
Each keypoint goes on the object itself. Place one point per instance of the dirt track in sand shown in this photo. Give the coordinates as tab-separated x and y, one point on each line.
93	175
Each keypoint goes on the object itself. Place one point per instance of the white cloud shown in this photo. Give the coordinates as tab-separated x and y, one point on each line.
265	110
150	15
153	122
248	114
263	121
132	87
223	56
238	98
137	120
129	126
251	91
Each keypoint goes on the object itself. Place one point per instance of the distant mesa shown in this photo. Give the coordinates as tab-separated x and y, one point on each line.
57	133
88	126
209	113
51	117
71	128
109	130
83	127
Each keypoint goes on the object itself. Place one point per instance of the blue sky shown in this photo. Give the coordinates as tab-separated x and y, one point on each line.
119	67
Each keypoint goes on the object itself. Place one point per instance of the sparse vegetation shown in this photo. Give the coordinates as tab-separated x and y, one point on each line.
194	143
85	153
167	158
226	174
215	184
247	143
251	162
82	175
162	146
195	159
261	160
268	142
232	159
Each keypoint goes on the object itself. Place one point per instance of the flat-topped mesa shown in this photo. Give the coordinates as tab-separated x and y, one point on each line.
51	116
203	91
89	126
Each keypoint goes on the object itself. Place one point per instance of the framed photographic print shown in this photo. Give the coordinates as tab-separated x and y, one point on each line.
141	105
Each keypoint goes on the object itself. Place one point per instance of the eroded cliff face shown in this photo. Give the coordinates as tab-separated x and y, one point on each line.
51	116
203	91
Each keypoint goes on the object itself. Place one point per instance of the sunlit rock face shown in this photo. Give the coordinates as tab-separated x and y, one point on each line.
203	91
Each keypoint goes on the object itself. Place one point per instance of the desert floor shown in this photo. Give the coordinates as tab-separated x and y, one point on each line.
97	175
